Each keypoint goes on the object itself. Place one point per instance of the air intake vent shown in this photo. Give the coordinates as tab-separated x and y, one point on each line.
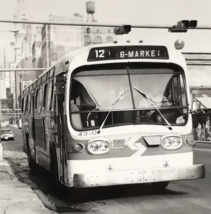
118	143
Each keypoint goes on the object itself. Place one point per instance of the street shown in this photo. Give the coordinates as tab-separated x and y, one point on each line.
180	197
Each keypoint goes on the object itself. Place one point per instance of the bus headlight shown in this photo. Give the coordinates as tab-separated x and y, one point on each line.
98	146
171	142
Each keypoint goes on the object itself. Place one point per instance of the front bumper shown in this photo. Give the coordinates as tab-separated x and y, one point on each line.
139	176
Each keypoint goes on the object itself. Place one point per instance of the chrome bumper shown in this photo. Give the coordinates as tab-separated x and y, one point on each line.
139	176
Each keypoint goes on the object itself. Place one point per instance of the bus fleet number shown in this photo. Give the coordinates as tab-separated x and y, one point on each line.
87	133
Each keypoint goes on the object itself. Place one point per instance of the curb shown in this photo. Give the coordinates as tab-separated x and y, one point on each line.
204	142
16	172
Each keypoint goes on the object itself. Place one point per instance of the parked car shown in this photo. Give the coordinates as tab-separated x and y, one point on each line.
14	125
7	134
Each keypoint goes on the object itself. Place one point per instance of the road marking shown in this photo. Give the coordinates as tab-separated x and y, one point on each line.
206	150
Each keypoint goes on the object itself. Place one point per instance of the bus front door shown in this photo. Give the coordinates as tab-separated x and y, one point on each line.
60	136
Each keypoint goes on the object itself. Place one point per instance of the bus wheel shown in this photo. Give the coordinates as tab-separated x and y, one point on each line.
31	162
54	168
159	185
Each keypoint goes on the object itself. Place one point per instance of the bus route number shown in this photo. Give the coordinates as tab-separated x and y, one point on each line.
100	53
87	133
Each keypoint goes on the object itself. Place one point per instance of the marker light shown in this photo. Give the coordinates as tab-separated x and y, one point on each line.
189	141
171	142
179	44
78	147
98	146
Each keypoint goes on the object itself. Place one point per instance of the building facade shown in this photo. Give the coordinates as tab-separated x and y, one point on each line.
57	40
7	55
97	35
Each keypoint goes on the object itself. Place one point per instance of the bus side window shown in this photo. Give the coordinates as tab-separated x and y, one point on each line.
22	105
40	99
37	102
45	100
36	99
51	95
26	105
29	104
48	96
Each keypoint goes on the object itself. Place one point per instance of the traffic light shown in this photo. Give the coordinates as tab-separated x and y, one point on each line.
183	26
192	23
176	29
124	29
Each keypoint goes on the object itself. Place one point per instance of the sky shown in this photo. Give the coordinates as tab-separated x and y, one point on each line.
132	12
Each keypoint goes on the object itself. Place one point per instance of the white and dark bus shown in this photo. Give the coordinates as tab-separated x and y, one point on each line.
112	114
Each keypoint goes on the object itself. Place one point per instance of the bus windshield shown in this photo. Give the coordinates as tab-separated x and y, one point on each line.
130	93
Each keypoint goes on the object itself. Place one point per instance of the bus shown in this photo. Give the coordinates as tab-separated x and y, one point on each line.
112	114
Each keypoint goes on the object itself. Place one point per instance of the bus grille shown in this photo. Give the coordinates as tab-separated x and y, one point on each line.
119	143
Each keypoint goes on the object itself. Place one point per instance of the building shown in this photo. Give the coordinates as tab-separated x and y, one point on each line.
57	40
37	56
7	55
97	35
13	84
23	38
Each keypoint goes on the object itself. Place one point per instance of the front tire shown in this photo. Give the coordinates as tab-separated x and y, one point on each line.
54	168
31	162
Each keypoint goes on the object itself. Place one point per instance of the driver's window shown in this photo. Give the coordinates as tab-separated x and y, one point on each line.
175	91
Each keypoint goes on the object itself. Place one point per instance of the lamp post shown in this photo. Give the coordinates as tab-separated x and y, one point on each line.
1	148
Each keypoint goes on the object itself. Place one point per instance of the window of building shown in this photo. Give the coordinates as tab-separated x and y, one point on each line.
87	40
109	39
97	40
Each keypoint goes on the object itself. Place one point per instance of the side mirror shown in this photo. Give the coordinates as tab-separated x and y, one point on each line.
196	105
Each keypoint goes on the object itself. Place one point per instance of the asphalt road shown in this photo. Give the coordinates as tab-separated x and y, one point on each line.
181	197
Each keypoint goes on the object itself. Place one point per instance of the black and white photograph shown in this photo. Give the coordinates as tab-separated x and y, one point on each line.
105	106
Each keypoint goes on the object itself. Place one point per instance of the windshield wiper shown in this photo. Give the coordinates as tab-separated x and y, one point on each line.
94	108
91	113
113	105
153	103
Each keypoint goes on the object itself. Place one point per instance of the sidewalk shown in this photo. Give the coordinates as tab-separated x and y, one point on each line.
16	194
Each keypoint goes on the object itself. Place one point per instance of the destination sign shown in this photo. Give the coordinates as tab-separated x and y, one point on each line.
128	52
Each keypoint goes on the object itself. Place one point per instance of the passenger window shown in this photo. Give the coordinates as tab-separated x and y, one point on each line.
36	99
45	100
26	105
51	95
29	104
39	104
22	106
